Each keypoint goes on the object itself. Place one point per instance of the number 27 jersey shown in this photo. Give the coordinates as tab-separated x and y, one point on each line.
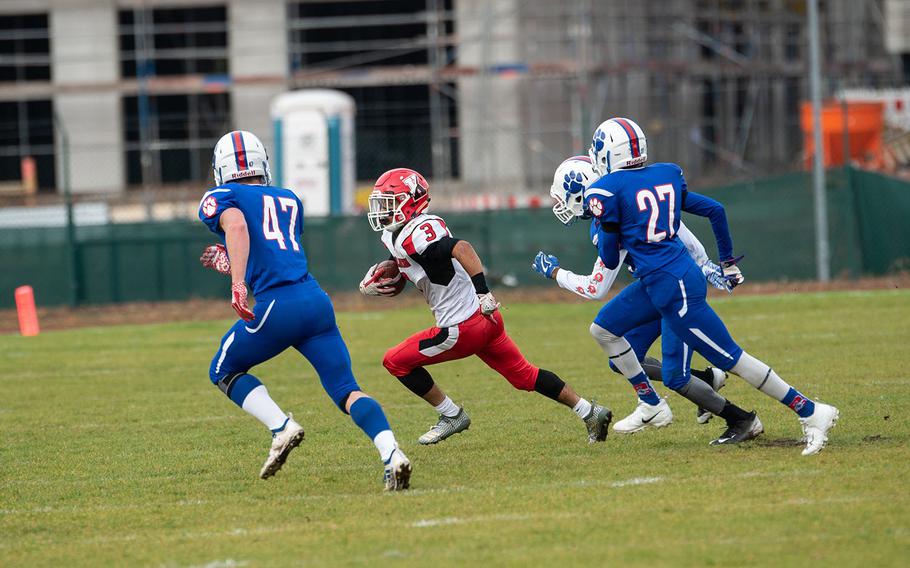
644	205
274	219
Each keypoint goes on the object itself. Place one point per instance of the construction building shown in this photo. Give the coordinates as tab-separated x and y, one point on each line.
484	96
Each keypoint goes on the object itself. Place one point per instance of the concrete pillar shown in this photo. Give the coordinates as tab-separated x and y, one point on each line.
491	141
258	62
84	52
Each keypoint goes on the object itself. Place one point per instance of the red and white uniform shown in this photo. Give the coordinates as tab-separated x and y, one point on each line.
461	330
444	283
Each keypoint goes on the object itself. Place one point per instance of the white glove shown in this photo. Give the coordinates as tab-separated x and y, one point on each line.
733	275
369	286
488	303
714	274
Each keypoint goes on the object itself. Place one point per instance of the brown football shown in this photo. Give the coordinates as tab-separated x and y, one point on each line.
388	269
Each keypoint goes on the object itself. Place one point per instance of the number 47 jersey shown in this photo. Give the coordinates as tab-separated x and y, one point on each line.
643	205
274	219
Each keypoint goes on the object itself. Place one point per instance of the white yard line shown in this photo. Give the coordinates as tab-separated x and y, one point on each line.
424	523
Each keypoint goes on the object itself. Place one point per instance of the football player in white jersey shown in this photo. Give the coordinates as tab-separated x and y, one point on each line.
449	274
742	425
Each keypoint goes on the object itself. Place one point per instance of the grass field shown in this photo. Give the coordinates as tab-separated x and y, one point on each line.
116	450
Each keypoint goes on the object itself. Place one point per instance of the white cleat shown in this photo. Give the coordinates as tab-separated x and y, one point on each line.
282	444
718	380
817	426
644	416
397	475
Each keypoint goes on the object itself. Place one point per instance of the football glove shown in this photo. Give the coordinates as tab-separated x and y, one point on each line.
732	273
488	303
545	264
239	301
373	286
216	258
714	274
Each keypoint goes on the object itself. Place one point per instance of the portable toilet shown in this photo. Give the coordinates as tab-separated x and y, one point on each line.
314	149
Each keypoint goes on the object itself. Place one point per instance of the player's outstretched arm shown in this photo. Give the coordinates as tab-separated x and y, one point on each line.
237	240
467	257
702	206
593	286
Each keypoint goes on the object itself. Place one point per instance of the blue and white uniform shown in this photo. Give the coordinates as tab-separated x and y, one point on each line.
641	208
291	309
597	284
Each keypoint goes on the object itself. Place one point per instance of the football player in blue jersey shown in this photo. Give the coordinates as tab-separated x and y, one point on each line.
639	209
260	226
574	175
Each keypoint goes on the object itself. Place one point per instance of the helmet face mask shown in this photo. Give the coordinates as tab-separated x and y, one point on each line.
239	155
398	196
385	211
570	180
617	143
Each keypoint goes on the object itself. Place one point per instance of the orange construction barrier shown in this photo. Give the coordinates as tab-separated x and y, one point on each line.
28	315
864	123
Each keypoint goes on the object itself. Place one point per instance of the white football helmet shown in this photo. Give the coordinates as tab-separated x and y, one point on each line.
572	177
239	154
617	143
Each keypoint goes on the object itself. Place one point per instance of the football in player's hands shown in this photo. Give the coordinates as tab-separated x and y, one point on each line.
383	279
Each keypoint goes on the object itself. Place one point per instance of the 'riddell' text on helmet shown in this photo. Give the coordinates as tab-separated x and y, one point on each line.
240	154
617	143
398	196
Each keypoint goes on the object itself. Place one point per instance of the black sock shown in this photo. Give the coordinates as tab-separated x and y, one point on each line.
733	413
705	376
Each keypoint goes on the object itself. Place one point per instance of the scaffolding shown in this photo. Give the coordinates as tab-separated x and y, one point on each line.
495	93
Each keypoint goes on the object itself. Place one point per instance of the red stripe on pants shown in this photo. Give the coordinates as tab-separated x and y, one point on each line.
484	336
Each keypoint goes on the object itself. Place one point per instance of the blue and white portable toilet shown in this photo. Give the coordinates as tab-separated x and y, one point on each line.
314	149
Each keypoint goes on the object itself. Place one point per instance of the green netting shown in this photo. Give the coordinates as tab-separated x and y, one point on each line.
772	223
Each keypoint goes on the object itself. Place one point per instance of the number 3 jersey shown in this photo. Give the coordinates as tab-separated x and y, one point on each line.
420	250
274	219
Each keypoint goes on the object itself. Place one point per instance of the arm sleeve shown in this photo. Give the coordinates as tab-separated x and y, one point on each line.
706	207
592	286
696	249
608	248
212	205
440	249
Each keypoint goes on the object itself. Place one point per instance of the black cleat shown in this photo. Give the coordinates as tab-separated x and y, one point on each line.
740	431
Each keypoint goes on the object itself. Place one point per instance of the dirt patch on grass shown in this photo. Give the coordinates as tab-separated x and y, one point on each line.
52	318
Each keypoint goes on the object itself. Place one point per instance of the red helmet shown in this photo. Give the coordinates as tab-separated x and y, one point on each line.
398	196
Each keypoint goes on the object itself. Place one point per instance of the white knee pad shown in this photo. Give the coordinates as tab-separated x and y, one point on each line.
619	351
603	336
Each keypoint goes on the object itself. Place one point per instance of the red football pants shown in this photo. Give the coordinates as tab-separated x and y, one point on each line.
484	336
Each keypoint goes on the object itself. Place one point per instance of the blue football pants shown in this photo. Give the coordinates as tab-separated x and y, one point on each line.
299	316
687	322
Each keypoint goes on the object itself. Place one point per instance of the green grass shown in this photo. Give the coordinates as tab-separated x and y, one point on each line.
116	450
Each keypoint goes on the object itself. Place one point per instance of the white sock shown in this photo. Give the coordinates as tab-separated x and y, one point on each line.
386	444
447	408
582	408
761	376
260	404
